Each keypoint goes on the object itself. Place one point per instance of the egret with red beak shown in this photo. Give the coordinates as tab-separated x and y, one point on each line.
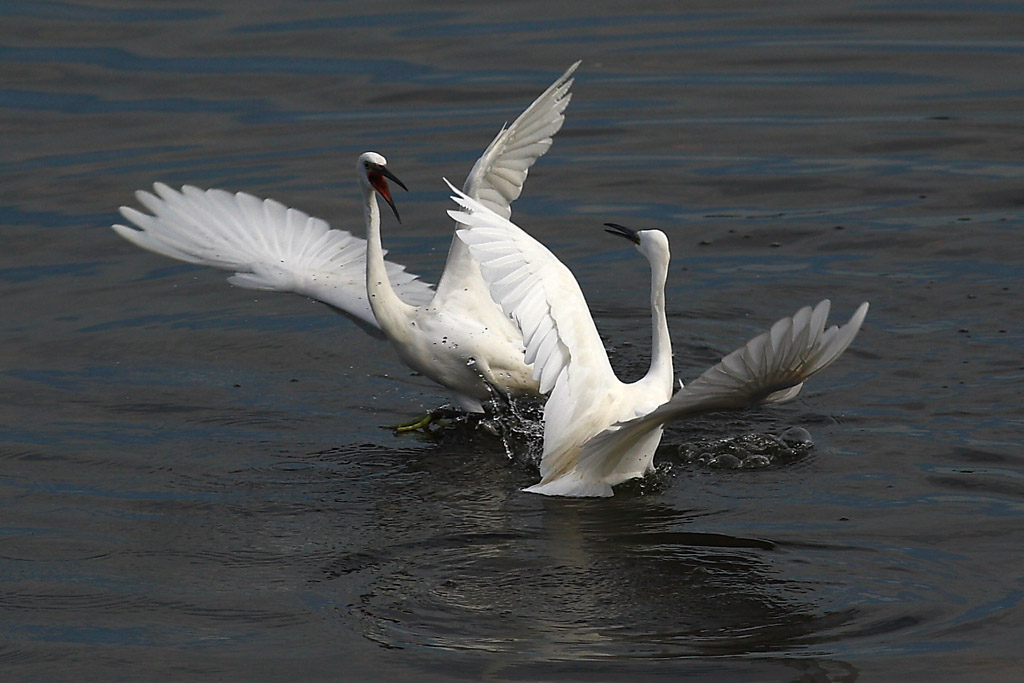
456	335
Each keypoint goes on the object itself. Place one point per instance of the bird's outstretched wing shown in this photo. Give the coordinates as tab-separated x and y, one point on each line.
770	368
543	298
268	245
497	177
274	248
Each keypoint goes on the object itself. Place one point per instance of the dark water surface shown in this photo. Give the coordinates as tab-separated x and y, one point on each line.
193	483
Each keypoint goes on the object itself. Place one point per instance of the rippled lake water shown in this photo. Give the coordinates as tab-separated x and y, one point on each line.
193	481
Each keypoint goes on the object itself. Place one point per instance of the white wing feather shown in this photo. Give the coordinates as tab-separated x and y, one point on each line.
269	246
545	301
770	368
497	177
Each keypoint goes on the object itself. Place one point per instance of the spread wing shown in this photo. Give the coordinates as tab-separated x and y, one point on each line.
497	178
268	245
770	368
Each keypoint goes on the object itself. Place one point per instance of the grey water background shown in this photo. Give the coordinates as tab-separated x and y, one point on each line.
193	481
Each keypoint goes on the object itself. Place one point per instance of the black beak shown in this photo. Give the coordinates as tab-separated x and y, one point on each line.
622	231
383	170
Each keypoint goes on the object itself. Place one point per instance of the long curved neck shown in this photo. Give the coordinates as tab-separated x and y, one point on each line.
389	310
660	373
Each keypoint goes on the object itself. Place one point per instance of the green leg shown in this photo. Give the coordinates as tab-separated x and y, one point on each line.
421	422
424	421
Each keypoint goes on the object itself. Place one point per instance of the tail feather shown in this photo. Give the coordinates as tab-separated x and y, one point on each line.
572	485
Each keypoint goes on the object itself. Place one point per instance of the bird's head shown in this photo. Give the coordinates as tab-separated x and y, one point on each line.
651	243
372	169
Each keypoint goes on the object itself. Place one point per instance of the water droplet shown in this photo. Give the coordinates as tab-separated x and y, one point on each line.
754	462
725	461
797	436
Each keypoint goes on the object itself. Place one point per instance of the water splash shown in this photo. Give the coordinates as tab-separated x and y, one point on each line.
520	425
749	451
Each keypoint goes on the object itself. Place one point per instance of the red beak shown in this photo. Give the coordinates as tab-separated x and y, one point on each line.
376	175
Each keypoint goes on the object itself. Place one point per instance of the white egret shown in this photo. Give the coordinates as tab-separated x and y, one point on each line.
461	339
599	431
455	335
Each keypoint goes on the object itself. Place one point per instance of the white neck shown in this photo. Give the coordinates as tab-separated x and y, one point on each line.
660	373
389	310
